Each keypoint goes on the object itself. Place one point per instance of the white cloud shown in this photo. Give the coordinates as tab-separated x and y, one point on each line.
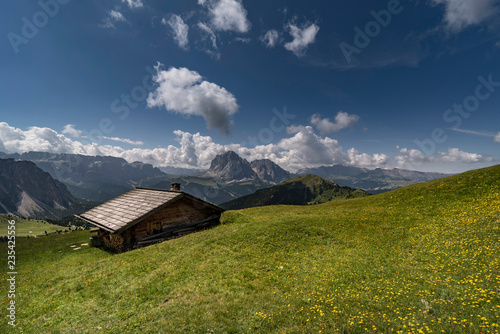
365	160
305	148
227	15
124	140
271	38
473	132
460	14
180	30
113	16
293	129
214	51
134	3
411	157
69	129
243	40
184	91
496	137
342	120
14	140
302	38
116	16
455	155
301	150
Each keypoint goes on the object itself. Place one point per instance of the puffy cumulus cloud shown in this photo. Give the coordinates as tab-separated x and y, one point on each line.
38	139
193	151
184	91
292	129
69	129
133	3
302	38
412	157
300	150
455	155
497	138
460	14
342	120
365	160
15	140
270	38
306	149
113	17
180	30
227	15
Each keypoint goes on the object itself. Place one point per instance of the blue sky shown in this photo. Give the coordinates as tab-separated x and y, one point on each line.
409	84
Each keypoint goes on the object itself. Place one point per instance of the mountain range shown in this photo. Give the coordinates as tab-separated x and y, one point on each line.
94	178
301	190
98	178
373	181
28	191
228	178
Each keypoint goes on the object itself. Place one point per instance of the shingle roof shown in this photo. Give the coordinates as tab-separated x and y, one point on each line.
125	210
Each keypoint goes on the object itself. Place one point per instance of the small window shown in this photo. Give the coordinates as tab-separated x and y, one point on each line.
154	227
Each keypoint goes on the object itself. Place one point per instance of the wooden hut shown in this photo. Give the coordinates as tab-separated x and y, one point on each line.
145	216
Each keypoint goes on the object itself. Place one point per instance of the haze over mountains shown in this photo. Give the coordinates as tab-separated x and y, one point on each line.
230	176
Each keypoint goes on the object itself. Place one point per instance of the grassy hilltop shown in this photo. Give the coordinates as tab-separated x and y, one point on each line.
422	259
302	190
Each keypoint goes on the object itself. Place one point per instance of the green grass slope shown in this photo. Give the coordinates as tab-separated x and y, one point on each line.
422	259
28	227
302	190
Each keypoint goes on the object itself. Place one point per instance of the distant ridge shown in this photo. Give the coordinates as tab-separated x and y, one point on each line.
302	190
270	172
95	178
100	178
374	181
27	191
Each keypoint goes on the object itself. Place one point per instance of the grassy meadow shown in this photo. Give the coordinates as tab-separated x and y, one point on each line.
422	259
28	227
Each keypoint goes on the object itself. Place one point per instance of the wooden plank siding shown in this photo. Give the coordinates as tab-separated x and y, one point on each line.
180	211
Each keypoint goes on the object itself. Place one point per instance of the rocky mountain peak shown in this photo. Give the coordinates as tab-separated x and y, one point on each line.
268	171
231	167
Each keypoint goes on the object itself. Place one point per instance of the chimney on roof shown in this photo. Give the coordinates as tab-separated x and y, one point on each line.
176	187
